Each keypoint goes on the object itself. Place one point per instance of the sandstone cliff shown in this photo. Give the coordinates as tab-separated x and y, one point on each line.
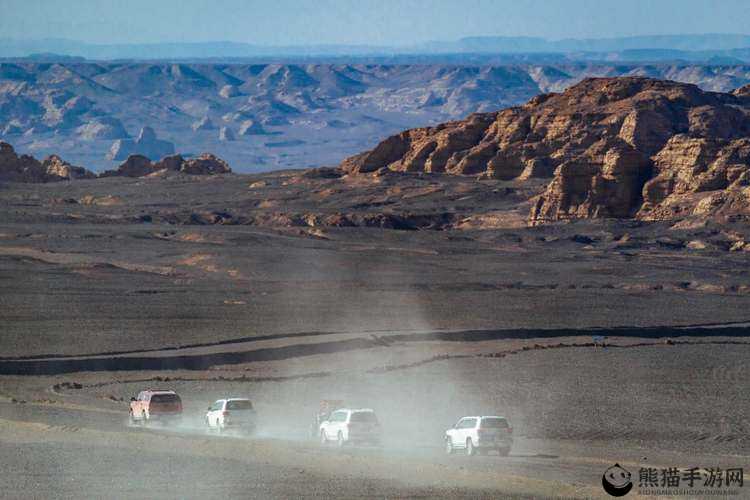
612	147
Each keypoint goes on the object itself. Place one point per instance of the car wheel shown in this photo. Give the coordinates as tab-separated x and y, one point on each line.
449	446
470	450
323	438
503	452
340	440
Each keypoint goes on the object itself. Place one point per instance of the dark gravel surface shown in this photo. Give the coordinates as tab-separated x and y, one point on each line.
680	398
73	289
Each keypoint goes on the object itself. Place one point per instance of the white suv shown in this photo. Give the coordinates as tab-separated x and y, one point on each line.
480	434
351	426
233	413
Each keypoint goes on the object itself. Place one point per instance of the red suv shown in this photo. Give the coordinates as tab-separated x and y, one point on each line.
162	406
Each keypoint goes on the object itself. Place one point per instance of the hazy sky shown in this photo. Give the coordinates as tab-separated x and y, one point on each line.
375	22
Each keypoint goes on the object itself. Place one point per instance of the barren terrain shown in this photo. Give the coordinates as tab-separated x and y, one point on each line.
242	285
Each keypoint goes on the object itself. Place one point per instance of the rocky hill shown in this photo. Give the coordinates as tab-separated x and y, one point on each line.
27	169
611	147
264	116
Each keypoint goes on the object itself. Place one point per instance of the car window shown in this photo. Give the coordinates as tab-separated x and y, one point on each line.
338	416
216	406
363	416
165	398
467	423
240	404
494	423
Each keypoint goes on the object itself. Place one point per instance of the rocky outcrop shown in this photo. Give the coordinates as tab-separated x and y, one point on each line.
205	164
56	168
146	144
613	147
134	166
26	168
141	166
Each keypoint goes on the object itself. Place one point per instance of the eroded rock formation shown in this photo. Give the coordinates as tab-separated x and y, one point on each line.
26	168
140	166
613	147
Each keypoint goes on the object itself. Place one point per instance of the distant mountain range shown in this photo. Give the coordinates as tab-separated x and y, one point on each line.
703	47
268	116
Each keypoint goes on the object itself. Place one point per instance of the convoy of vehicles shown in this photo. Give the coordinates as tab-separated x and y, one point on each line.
332	423
480	434
232	413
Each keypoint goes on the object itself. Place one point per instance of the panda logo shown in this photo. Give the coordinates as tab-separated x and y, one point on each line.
616	481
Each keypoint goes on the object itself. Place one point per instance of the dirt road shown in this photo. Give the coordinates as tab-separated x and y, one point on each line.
60	452
641	406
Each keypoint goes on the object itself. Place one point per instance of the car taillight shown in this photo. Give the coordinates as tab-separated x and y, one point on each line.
225	413
510	430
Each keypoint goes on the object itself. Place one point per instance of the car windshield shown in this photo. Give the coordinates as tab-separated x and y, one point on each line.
241	404
363	416
494	423
165	398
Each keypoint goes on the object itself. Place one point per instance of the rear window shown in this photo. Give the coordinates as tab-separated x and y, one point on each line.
239	405
165	398
363	416
494	423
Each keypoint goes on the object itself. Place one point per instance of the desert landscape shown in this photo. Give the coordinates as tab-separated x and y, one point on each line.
578	263
383	249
